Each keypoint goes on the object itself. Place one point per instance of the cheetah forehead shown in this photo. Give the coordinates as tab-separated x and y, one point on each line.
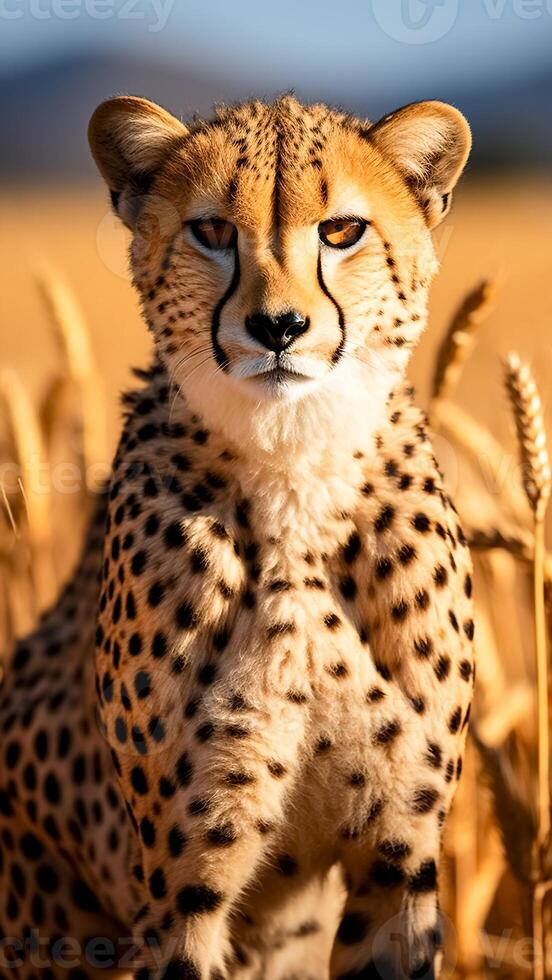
279	162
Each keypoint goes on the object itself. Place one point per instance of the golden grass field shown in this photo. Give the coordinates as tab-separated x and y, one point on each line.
59	390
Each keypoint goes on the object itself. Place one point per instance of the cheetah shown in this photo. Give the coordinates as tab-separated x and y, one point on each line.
251	776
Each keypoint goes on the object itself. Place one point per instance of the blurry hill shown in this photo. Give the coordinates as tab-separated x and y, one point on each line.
44	112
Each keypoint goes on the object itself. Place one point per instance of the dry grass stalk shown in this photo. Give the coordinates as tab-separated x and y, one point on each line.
459	339
74	342
28	445
526	405
531	434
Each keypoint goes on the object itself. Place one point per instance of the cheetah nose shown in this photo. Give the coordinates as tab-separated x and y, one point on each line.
276	332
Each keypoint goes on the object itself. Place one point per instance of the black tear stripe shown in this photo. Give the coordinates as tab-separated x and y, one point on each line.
338	352
220	356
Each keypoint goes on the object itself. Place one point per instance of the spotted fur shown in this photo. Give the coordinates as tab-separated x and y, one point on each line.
255	784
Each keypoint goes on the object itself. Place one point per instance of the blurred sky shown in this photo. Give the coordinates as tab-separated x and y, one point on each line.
291	42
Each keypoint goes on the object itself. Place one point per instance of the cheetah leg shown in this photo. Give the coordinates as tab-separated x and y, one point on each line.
391	925
208	843
281	935
184	934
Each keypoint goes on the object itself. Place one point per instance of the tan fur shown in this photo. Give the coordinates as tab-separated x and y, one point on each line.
284	633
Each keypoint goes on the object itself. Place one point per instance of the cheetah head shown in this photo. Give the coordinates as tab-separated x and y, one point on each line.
282	252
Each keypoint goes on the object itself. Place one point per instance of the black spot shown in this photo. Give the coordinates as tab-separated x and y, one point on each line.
280	629
323	745
47	879
176	841
198	806
423	646
138	562
455	720
40	744
348	587
453	621
197	900
142	684
31	847
52	789
442	667
469	629
139	781
422	599
85	899
384	568
387	733
237	731
286	865
374	695
399	611
135	644
223	836
184	770
422	523
386	874
351	549
174	536
157	884
424	799
205	731
147	832
296	697
385	519
159	645
181	968
353	929
166	788
239	778
121	733
394	849
206	674
151	525
465	669
434	755
383	670
425	878
185	616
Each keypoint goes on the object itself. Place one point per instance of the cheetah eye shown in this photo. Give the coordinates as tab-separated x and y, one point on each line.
214	233
341	232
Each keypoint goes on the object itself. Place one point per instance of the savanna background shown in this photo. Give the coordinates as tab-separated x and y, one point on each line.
70	329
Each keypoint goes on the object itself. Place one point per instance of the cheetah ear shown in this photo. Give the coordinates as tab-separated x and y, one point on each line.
430	143
129	138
